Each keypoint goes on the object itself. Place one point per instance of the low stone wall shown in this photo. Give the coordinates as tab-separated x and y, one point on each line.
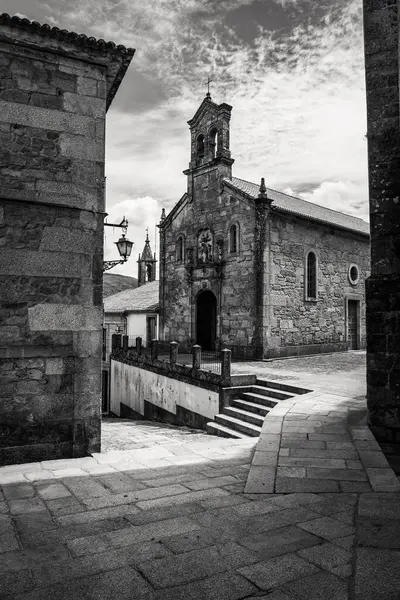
282	352
150	391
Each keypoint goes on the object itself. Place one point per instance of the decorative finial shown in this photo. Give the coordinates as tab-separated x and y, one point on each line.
162	218
263	189
147	234
262	195
208	95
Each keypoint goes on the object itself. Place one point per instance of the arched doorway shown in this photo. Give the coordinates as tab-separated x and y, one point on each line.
206	320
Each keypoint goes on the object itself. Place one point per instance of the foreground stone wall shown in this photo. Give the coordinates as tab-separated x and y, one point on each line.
312	325
381	35
53	100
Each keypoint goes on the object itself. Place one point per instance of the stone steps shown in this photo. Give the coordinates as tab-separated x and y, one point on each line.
238	425
246	413
259	399
259	409
278	385
214	428
270	392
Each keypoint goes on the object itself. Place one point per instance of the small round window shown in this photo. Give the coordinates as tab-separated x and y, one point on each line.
354	274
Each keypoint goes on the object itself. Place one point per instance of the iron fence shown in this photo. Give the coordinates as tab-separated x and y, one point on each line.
164	348
209	365
211	361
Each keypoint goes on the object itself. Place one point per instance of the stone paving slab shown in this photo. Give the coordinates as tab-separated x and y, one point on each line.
321	453
178	524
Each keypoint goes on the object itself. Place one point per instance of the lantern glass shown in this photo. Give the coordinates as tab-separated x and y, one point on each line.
124	247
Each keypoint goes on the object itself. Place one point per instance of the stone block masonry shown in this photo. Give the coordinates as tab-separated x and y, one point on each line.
381	35
55	89
296	326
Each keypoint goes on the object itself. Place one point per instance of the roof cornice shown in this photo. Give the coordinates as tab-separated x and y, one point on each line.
171	214
81	40
238	191
61	41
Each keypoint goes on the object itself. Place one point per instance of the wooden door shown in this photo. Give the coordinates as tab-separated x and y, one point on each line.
352	324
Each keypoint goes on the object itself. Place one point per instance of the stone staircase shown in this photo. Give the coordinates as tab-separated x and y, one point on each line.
248	408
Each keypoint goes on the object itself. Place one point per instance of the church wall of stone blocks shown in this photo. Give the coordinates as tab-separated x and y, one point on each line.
185	279
302	324
243	265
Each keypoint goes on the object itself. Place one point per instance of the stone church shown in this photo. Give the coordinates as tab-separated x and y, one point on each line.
249	268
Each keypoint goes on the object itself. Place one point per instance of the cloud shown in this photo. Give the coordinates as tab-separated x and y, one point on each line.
141	212
297	91
345	196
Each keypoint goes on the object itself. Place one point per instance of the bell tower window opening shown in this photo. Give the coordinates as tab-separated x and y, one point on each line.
149	273
200	146
213	142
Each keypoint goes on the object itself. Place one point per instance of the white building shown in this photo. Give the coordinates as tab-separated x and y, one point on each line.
133	313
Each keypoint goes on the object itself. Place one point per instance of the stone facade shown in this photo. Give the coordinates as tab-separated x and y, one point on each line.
296	325
55	88
381	35
241	245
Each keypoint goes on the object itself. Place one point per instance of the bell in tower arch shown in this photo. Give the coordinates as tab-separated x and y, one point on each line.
200	146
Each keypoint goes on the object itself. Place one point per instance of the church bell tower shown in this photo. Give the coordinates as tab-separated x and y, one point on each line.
210	159
146	264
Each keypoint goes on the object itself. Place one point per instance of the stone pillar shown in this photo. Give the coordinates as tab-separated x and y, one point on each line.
381	35
196	352
139	345
161	315
52	208
261	252
173	353
154	349
116	341
226	366
125	343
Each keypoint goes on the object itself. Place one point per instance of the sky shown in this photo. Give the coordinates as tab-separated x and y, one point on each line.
293	70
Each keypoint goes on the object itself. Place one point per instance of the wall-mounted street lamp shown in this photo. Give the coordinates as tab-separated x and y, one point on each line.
124	246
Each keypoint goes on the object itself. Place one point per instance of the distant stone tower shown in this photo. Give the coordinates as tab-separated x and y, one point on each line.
146	264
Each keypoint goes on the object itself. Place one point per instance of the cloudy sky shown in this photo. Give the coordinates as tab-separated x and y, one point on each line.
293	71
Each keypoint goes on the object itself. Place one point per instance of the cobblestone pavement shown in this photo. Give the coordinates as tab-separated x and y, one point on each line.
123	434
339	372
308	511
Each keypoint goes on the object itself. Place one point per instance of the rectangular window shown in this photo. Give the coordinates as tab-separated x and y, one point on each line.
104	343
233	239
311	276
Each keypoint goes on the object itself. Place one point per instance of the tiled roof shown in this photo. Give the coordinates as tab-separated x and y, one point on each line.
143	298
297	206
62	34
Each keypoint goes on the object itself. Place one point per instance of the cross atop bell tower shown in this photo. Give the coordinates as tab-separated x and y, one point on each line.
208	95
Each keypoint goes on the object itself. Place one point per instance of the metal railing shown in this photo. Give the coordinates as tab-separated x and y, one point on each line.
211	361
216	363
